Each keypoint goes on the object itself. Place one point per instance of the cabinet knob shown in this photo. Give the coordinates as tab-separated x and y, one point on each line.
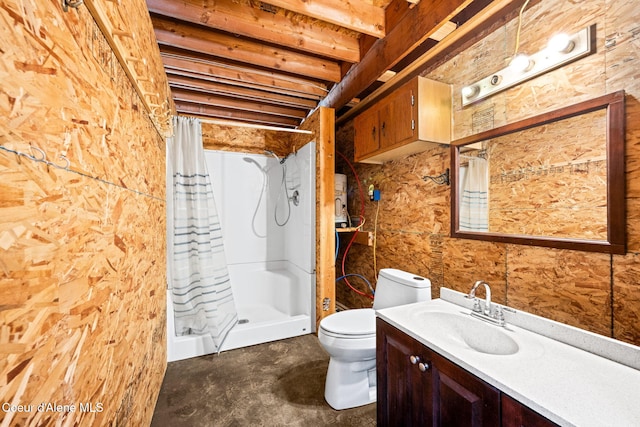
414	359
423	366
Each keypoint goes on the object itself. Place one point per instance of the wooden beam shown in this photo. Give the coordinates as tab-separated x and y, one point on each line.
325	218
205	41
241	18
497	10
239	104
235	91
242	116
416	26
356	15
246	77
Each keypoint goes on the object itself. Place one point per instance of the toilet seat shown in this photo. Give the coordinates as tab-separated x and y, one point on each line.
356	323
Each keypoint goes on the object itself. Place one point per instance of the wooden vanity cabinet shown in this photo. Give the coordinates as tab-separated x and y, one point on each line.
404	391
438	392
408	121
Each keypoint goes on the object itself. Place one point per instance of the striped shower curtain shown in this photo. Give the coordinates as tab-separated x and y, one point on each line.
474	202
198	277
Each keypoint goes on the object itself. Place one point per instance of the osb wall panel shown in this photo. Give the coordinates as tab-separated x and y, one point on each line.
466	261
82	273
58	103
570	286
129	32
626	298
79	293
411	219
245	139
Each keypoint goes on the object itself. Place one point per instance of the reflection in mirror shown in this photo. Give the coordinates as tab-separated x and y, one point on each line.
554	180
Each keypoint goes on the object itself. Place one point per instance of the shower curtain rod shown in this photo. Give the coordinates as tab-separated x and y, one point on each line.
249	125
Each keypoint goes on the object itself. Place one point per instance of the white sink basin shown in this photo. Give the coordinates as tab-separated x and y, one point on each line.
464	330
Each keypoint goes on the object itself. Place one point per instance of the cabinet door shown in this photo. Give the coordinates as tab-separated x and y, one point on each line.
402	387
403	110
367	134
461	399
515	414
386	119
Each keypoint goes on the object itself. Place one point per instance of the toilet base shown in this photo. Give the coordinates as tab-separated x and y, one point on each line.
350	384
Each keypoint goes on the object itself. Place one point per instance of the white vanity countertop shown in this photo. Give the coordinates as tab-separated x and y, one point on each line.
567	384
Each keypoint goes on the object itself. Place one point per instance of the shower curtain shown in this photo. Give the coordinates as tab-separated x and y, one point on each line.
474	203
198	277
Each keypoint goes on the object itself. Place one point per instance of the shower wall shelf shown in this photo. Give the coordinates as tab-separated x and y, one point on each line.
362	238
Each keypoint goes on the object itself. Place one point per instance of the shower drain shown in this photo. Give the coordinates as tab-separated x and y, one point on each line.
242	321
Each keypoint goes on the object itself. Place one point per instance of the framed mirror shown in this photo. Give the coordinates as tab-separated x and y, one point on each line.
553	180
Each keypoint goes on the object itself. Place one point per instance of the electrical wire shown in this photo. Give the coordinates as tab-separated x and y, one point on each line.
519	27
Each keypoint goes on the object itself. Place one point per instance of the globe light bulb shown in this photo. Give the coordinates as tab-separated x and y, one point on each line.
521	63
560	43
470	91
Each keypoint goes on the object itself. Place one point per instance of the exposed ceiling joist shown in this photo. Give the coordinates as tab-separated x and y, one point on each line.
272	62
183	36
418	24
356	15
276	28
483	19
184	64
239	92
243	105
204	110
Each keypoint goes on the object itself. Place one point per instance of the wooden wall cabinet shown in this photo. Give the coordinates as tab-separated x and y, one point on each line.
408	121
418	387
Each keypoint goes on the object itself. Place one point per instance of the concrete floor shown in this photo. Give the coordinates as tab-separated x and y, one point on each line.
274	384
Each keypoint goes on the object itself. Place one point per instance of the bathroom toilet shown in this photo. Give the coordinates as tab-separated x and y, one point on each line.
350	339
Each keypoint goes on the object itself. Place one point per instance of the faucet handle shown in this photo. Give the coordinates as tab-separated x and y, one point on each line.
476	306
498	314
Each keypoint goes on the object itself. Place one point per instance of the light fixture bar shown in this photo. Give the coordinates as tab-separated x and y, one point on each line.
580	44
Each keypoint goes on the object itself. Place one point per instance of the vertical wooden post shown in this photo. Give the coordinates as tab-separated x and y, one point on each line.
325	227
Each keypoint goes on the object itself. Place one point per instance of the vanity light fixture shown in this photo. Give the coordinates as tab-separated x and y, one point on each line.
561	50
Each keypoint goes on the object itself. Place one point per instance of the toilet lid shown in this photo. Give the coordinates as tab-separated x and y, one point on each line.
360	321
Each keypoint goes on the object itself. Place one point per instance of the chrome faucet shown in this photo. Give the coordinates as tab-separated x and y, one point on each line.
487	291
493	316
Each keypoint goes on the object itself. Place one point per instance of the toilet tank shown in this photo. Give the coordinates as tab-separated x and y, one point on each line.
397	287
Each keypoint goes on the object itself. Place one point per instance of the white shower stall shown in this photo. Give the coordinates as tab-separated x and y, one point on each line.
268	228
